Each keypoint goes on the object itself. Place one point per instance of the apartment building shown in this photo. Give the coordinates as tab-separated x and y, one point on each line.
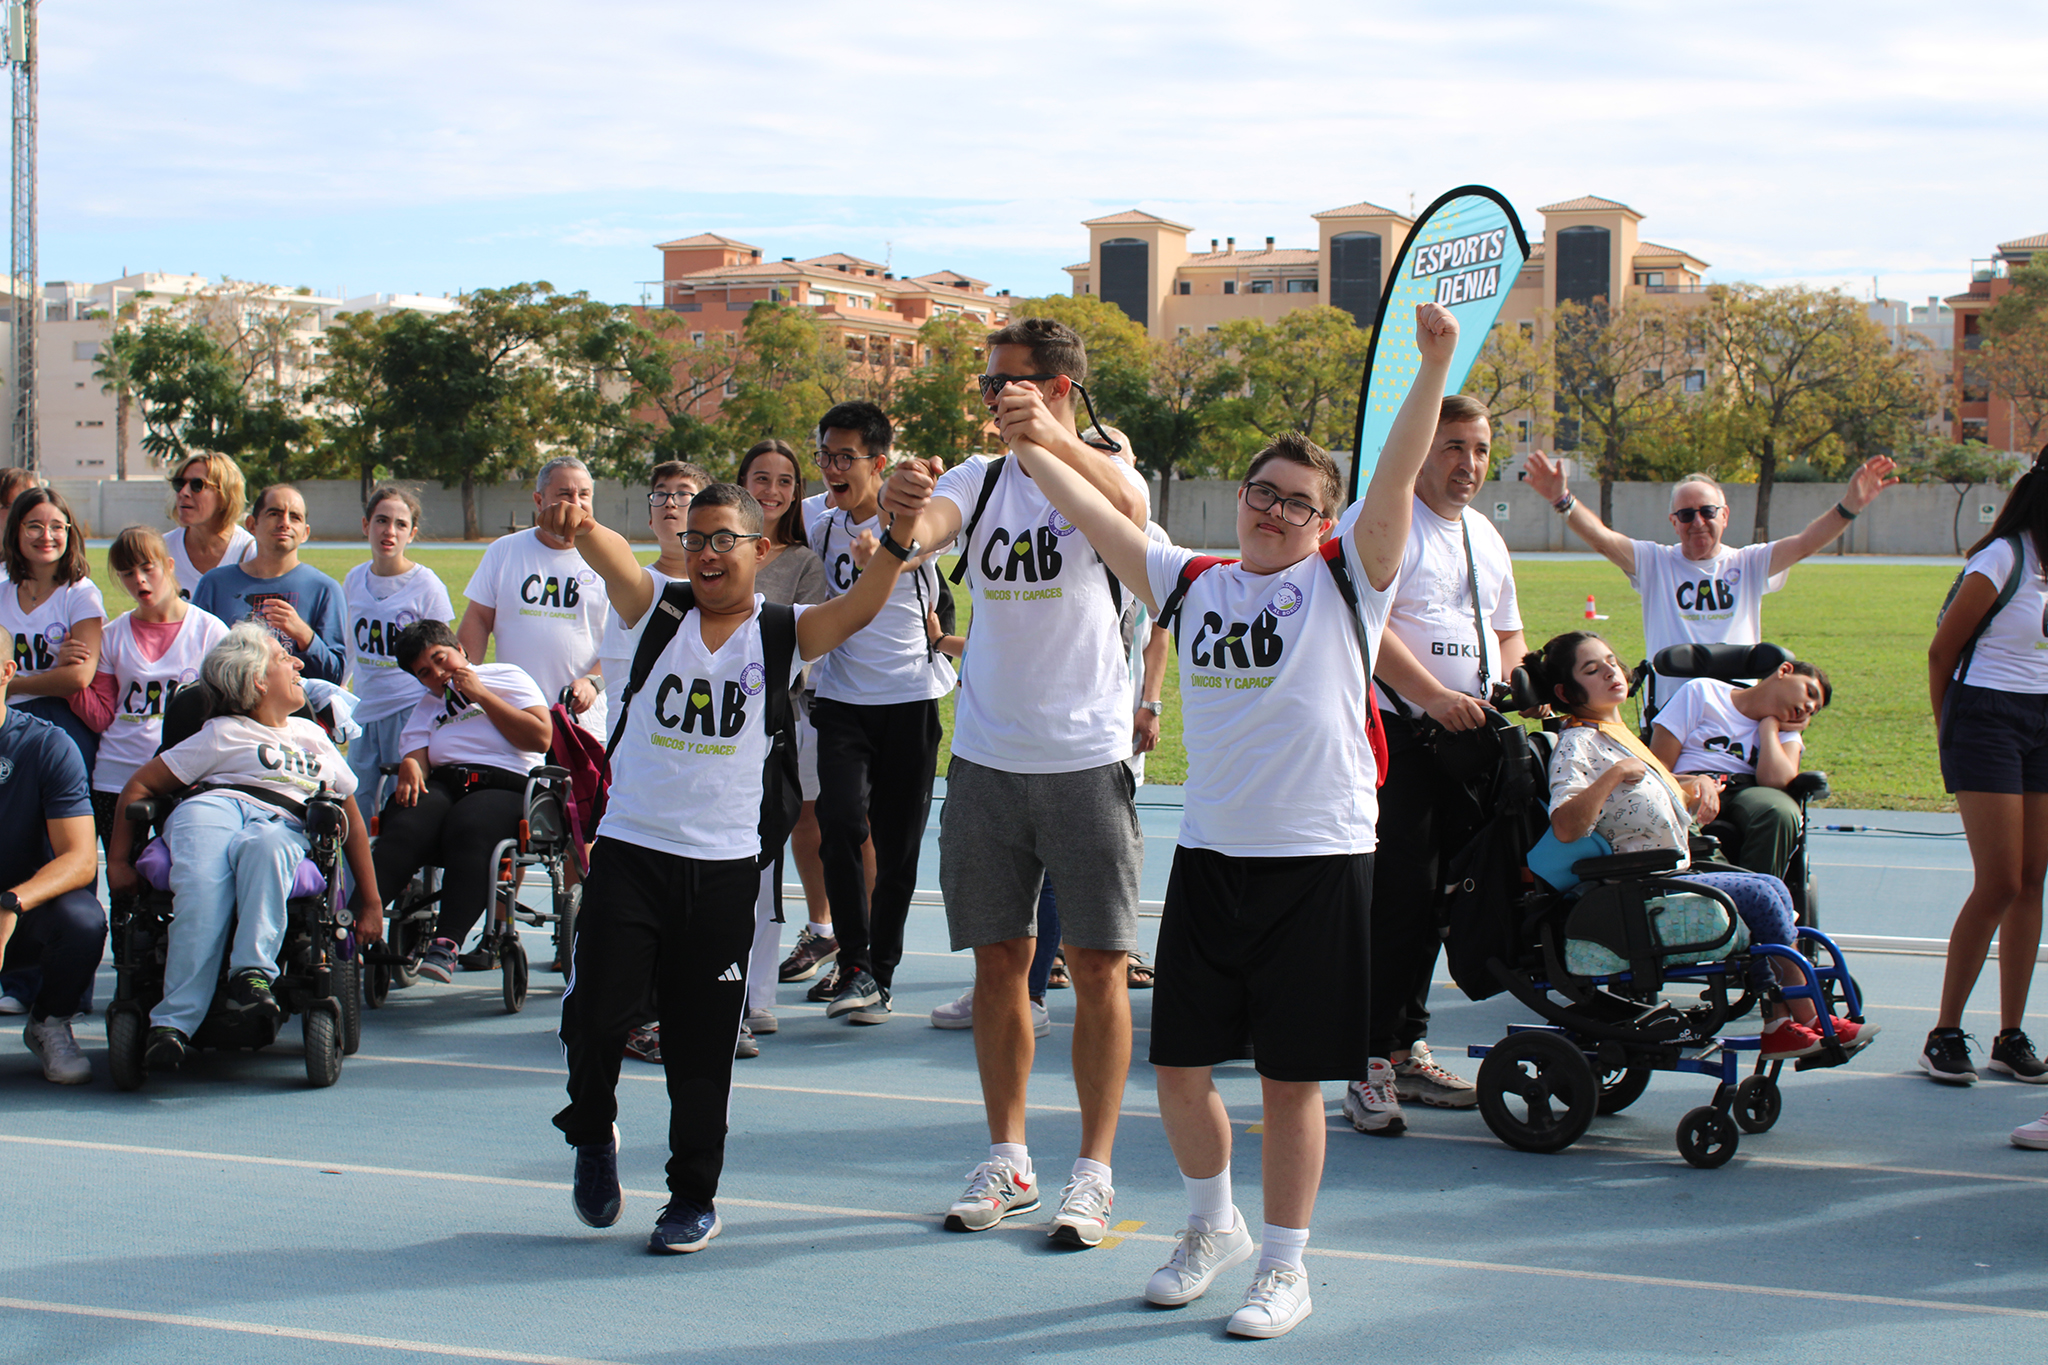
1982	415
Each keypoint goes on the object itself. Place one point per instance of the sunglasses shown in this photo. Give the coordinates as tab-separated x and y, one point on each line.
992	384
189	485
1684	515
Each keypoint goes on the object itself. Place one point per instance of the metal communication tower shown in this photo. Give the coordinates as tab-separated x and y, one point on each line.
23	444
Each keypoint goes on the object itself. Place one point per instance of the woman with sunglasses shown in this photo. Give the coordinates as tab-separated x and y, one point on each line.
789	574
207	499
52	611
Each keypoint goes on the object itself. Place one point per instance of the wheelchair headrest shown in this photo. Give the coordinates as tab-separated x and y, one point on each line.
1522	691
1728	663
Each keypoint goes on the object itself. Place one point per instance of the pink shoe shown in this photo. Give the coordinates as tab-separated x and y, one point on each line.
1785	1037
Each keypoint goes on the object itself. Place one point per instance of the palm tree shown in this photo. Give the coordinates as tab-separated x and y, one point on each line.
116	373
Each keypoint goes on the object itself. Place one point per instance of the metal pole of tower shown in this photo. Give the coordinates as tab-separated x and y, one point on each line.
21	52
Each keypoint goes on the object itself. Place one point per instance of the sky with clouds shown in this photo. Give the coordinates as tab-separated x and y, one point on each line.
439	145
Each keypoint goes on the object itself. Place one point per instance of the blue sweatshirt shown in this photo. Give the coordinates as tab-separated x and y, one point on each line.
233	594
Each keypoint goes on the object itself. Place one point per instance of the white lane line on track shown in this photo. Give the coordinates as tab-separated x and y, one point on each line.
929	1219
264	1329
658	1077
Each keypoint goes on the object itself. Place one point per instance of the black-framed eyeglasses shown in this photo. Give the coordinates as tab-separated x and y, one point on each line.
828	459
721	541
188	486
1262	497
1708	512
670	497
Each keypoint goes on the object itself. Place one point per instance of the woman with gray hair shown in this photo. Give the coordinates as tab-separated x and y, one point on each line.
238	836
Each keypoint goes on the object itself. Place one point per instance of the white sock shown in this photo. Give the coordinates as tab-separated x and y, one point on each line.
1086	1166
821	930
1282	1248
1016	1153
1209	1202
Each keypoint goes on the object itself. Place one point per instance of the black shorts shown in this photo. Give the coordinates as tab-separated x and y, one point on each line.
1993	741
1271	949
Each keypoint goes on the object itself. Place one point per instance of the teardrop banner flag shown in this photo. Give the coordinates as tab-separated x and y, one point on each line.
1465	253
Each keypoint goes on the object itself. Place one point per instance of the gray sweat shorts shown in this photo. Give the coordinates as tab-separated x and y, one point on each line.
1001	834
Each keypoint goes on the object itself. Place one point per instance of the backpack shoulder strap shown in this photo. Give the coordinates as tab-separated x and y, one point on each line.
2005	595
778	650
988	487
1347	588
1169	610
664	618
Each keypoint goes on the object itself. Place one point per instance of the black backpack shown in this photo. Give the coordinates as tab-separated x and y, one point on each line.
781	789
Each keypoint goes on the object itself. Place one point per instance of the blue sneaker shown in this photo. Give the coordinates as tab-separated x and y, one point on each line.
595	1191
684	1227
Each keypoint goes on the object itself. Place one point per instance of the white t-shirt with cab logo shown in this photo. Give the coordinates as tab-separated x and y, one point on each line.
1045	684
1713	736
686	776
890	660
378	609
37	635
550	609
292	760
1719	600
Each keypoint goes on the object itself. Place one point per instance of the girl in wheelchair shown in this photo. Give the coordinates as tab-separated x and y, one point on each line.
1604	781
469	745
237	837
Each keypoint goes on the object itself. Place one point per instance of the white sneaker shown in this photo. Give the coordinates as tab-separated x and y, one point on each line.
994	1191
57	1050
12	1005
1196	1261
2034	1135
1420	1079
1274	1305
1371	1104
960	1014
1084	1211
956	1013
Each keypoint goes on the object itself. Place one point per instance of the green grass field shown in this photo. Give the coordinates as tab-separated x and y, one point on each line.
1866	624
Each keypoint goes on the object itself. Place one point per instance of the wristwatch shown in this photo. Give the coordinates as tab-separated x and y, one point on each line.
10	904
1155	707
902	552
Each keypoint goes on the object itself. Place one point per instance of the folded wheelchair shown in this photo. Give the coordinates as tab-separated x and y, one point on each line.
545	840
319	965
1632	970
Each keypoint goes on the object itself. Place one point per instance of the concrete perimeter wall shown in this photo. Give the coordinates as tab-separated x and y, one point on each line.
1908	520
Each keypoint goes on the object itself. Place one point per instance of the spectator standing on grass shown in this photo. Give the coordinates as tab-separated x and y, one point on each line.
1700	591
385	596
543	603
301	606
207	496
1987	677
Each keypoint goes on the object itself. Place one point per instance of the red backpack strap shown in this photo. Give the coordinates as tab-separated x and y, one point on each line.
1375	729
1169	610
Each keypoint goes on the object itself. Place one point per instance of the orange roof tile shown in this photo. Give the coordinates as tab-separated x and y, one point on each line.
706	239
1655	249
839	258
1584	203
1361	209
946	277
1134	216
2037	242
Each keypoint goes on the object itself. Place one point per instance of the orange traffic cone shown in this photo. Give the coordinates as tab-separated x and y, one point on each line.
1589	606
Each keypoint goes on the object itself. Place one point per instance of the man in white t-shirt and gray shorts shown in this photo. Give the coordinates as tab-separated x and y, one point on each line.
1038	785
1700	591
1454	630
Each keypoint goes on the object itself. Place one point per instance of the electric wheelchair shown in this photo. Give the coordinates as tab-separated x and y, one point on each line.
319	964
545	841
1617	1000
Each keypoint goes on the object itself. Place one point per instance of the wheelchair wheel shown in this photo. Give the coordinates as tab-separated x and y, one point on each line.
568	905
1621	1088
1537	1092
1707	1137
323	1045
1758	1102
512	964
348	989
376	985
124	1049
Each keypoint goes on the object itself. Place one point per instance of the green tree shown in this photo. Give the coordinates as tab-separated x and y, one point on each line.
938	410
635	385
782	380
190	397
1963	466
1513	373
1119	350
1301	372
1179	426
350	394
1619	373
2013	359
1804	374
116	373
